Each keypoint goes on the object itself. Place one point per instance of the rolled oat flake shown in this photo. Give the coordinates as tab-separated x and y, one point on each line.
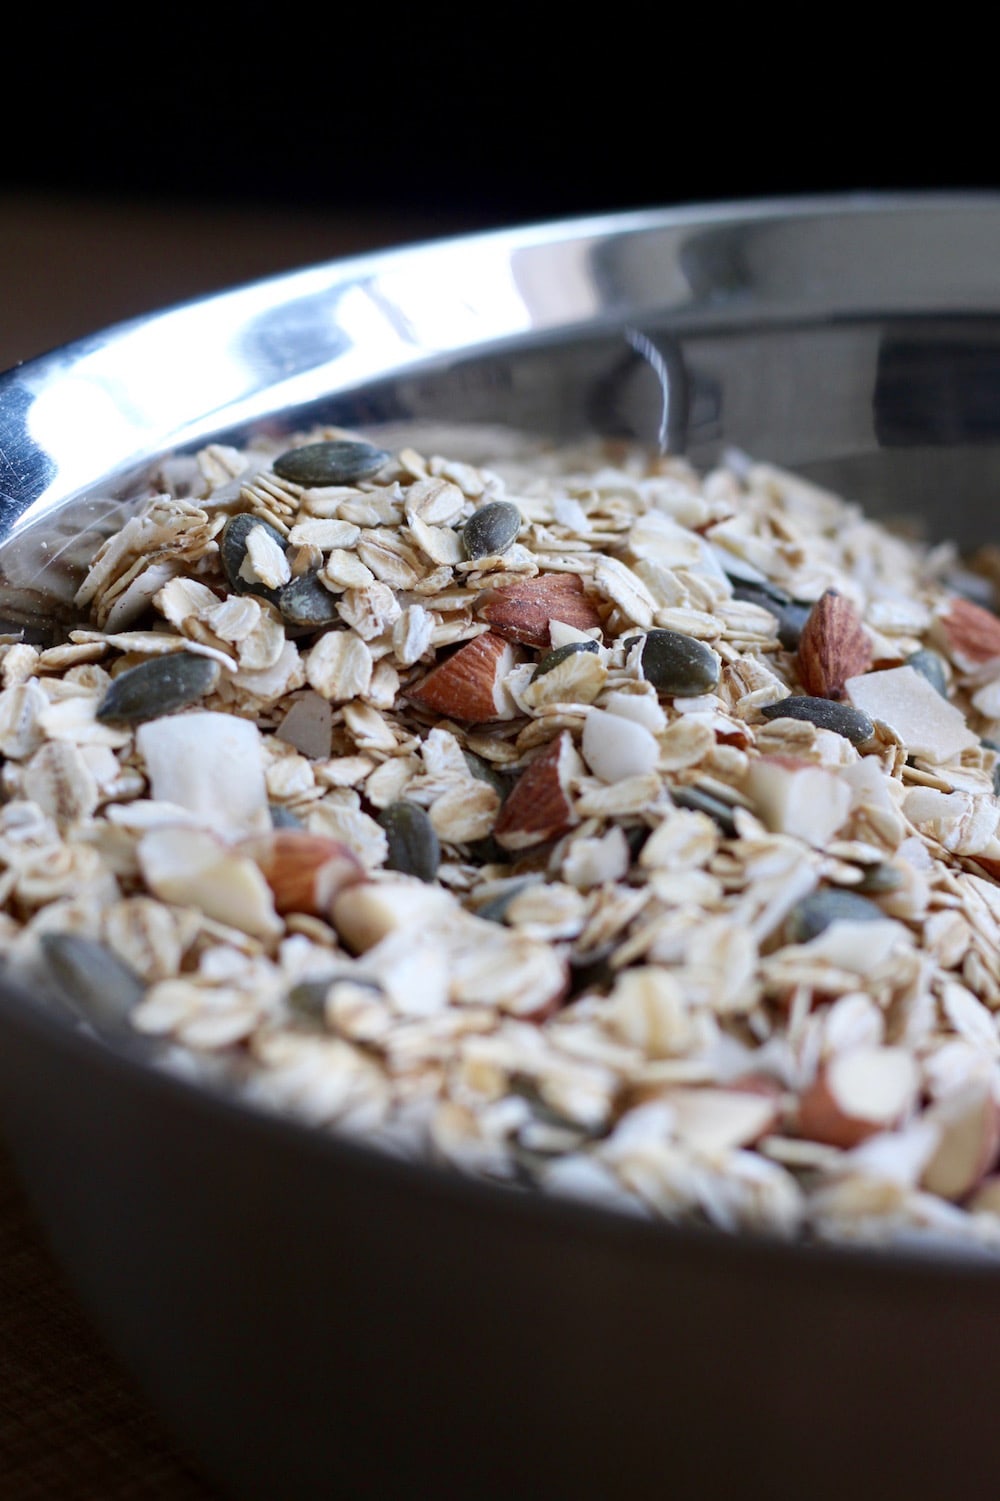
339	461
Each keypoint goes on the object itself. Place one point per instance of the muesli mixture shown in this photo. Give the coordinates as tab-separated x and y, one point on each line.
580	821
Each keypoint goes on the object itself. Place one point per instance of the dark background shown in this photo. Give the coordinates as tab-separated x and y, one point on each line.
491	115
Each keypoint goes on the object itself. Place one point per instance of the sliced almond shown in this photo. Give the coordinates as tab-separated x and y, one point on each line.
858	1093
793	796
969	634
365	913
468	685
195	868
715	1121
969	1125
833	647
538	807
305	871
521	610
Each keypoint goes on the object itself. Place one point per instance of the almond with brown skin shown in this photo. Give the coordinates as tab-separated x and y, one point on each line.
468	685
521	611
969	633
833	647
305	871
538	807
857	1094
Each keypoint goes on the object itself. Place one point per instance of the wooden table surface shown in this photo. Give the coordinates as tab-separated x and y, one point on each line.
72	1425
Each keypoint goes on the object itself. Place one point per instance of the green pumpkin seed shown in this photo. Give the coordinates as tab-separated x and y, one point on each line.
790	614
92	980
826	713
305	602
307	998
930	664
495	910
233	551
878	879
492	530
814	914
559	654
414	847
485	771
700	801
282	818
678	665
341	461
162	685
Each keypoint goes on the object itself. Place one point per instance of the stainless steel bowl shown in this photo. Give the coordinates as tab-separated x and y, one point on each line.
312	1317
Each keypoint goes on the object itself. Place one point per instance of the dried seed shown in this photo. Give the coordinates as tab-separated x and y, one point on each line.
814	914
306	602
340	461
790	614
931	665
414	847
159	686
553	658
879	879
700	801
833	647
92	980
679	665
827	713
233	553
492	530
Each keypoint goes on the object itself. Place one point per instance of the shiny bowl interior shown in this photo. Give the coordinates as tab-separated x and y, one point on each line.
855	340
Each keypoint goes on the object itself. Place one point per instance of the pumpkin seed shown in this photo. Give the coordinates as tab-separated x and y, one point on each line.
233	552
930	664
414	847
162	685
485	771
283	818
306	602
703	802
826	713
341	461
790	614
559	654
492	530
678	665
495	910
307	998
814	914
879	878
92	980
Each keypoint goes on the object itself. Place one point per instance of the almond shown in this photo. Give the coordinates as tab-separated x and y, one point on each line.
538	808
833	647
305	871
468	685
794	796
857	1094
521	610
968	1145
969	633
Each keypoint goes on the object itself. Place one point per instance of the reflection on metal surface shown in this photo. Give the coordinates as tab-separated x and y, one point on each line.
777	327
